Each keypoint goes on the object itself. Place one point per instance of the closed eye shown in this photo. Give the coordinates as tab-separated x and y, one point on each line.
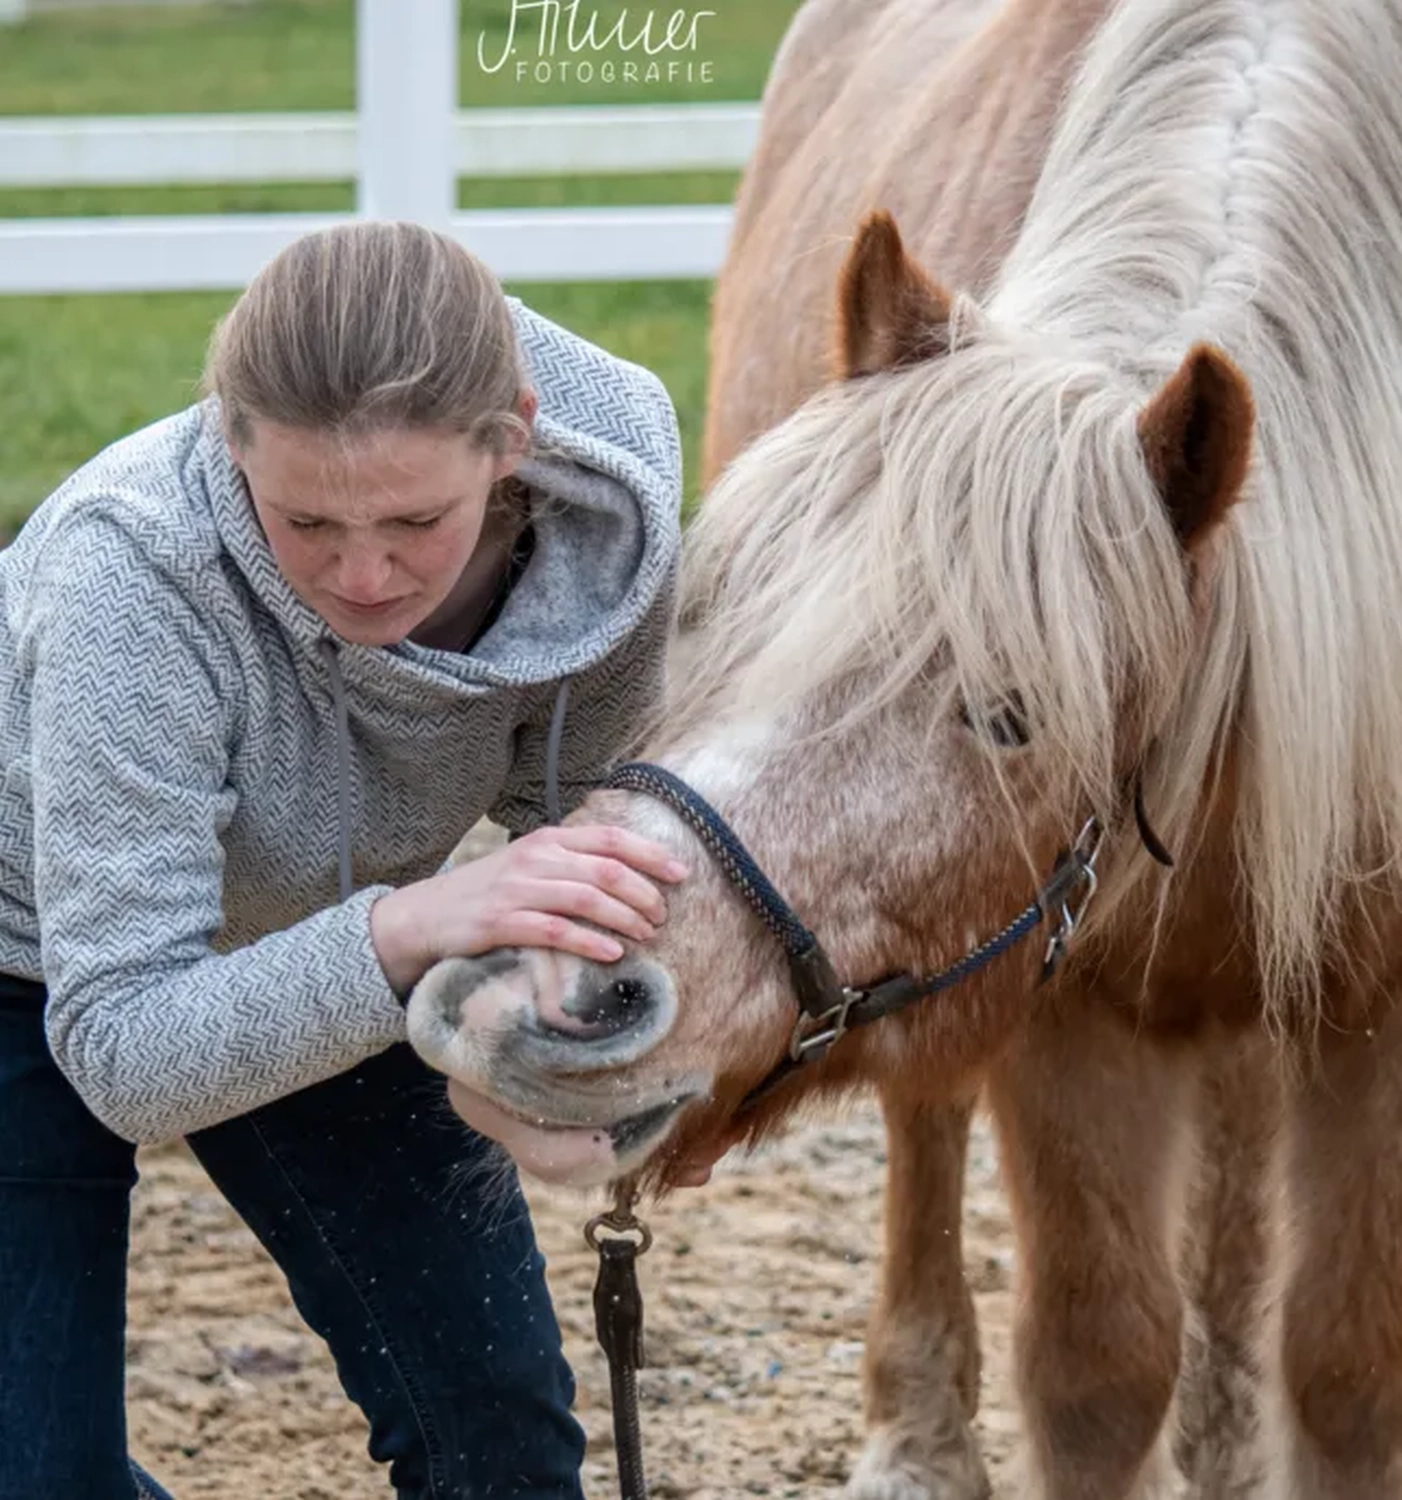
415	524
1005	725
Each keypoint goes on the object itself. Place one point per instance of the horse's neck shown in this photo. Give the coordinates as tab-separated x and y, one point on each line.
1181	138
960	176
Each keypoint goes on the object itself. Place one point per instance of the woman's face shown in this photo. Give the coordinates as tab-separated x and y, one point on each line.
372	533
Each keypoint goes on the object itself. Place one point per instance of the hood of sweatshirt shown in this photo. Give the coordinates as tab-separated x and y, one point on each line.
606	541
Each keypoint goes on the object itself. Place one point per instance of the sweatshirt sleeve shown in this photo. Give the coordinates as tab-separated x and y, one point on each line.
608	707
135	697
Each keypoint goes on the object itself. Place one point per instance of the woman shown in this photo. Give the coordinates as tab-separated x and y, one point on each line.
262	664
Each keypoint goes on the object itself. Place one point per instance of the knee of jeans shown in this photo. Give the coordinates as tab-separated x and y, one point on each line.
80	1163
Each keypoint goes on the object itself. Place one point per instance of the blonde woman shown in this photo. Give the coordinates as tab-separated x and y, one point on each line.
263	663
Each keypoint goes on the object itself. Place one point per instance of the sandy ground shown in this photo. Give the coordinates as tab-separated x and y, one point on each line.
757	1294
757	1291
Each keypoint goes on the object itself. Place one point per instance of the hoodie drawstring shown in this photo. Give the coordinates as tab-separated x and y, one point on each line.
553	812
329	655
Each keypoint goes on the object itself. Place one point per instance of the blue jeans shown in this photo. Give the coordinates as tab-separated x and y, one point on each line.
428	1287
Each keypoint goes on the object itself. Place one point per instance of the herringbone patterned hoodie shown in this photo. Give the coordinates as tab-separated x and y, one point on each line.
169	751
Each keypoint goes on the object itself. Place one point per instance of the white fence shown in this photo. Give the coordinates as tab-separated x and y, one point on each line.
405	148
127	151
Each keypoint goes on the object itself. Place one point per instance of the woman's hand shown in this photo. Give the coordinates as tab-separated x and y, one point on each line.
528	895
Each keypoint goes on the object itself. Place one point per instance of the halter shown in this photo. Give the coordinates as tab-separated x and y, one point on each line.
829	1009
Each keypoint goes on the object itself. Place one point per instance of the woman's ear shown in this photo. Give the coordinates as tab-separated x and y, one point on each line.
518	440
237	440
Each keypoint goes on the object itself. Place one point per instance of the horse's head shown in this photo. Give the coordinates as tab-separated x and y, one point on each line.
939	619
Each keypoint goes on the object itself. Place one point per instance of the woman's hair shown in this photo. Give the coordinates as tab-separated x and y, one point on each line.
367	326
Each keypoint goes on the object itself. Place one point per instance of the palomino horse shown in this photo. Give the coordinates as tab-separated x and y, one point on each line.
974	86
1121	531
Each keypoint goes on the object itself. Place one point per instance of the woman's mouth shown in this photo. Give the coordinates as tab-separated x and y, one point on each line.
368	610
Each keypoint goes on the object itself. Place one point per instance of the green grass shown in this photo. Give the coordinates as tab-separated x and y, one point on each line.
339	197
78	372
300	54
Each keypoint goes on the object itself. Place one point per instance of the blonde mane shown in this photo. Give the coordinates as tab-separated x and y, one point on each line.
1228	170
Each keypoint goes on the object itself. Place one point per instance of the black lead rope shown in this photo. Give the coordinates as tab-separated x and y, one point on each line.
618	1325
618	1299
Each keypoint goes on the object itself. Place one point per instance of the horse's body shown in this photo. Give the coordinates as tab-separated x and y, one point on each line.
939	112
1129	518
958	172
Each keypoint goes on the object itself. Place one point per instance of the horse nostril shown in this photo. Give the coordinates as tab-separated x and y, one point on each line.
617	1006
629	992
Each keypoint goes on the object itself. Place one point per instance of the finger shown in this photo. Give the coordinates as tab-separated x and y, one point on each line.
619	843
624	883
540	929
578	898
611	876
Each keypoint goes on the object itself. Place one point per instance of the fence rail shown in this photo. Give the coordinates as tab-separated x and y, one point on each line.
220	252
139	151
404	147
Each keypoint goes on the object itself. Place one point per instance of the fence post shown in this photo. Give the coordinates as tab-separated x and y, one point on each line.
407	94
13	11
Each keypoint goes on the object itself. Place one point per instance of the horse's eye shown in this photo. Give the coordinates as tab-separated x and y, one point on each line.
1005	725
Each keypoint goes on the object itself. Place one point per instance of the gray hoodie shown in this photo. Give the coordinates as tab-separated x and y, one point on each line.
184	744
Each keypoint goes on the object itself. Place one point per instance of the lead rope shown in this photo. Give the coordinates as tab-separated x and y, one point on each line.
618	1323
618	1299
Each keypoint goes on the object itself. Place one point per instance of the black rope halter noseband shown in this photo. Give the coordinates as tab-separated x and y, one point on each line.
829	1009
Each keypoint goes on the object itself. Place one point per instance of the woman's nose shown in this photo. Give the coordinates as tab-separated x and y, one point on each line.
363	574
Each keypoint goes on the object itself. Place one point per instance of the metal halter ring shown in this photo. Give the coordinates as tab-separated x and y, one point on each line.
815	1034
620	1231
620	1219
1082	858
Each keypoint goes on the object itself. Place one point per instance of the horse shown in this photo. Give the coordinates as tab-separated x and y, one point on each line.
1057	576
961	169
955	73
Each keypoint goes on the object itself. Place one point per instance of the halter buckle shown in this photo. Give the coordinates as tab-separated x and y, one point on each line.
1075	868
814	1035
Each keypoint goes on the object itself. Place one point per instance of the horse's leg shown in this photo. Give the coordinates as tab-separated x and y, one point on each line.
922	1357
1096	1132
1342	1312
1231	1232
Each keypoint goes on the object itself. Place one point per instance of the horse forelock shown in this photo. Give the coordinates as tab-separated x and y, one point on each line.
972	529
990	513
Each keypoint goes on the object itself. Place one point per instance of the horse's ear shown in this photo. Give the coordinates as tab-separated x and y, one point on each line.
890	312
1196	436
